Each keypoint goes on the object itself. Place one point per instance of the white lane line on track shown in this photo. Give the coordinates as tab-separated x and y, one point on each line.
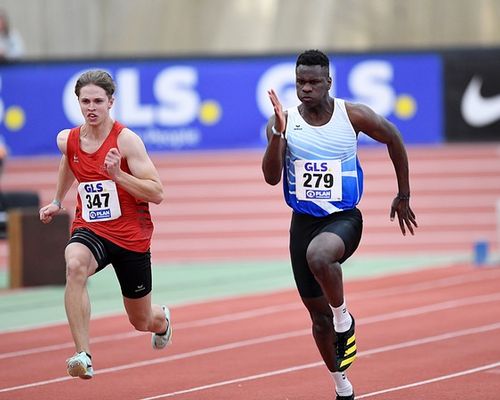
236	380
266	311
412	343
266	339
484	275
428	285
258	312
433	380
194	353
313	365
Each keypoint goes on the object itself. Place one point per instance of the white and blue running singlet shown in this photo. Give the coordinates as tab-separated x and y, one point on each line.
322	171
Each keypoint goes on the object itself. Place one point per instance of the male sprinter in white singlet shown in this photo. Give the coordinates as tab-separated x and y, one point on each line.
314	147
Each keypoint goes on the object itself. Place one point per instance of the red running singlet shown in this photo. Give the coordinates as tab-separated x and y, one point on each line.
134	228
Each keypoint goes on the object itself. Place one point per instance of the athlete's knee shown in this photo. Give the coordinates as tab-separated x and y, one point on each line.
139	322
76	270
321	263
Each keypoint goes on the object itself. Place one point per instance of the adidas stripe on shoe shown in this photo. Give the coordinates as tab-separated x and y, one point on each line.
345	348
161	341
80	365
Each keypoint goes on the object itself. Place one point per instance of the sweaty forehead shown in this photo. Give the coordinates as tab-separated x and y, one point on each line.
311	71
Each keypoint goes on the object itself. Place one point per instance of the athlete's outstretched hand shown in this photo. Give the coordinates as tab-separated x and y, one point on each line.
406	216
279	115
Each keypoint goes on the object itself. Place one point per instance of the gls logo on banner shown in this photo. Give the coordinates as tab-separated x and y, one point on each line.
170	119
174	89
406	90
369	81
177	105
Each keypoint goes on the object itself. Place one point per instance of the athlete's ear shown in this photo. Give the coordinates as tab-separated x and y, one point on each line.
111	101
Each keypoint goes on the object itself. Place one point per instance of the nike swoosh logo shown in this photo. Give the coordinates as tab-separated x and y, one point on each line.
479	111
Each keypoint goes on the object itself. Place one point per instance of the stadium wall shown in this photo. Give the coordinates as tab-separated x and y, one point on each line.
128	28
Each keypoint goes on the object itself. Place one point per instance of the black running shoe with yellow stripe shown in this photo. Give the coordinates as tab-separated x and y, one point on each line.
345	348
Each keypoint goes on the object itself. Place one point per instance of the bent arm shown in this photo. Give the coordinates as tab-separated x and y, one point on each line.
380	129
143	182
377	127
274	156
65	179
273	160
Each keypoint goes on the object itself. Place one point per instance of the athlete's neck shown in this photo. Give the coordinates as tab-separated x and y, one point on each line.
97	131
318	114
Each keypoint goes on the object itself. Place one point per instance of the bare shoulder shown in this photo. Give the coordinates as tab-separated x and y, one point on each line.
358	111
362	117
63	135
128	135
129	142
62	140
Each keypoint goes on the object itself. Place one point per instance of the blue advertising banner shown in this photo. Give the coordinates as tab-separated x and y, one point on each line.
212	103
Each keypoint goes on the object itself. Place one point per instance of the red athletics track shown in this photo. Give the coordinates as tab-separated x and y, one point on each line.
431	334
218	206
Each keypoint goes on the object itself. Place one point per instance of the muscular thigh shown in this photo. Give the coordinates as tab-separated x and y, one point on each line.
133	270
92	242
89	247
346	226
79	258
302	231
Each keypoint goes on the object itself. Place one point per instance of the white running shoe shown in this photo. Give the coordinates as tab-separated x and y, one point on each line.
161	341
80	365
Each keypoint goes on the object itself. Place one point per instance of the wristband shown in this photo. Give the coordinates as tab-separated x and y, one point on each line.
403	196
57	203
275	132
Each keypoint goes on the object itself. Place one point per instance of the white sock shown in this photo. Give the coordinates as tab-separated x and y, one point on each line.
341	318
342	385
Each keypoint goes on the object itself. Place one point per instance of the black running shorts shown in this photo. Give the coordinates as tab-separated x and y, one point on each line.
346	224
133	269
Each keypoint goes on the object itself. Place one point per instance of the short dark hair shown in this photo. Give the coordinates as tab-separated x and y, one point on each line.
313	57
98	78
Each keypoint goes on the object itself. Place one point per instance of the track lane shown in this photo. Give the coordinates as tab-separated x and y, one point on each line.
219	333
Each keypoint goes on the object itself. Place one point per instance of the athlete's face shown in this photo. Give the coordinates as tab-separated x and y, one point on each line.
312	83
94	104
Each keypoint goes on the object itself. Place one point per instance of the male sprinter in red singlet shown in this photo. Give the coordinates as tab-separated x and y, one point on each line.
112	225
314	148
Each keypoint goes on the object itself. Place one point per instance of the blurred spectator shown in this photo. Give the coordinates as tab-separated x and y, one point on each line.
11	42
